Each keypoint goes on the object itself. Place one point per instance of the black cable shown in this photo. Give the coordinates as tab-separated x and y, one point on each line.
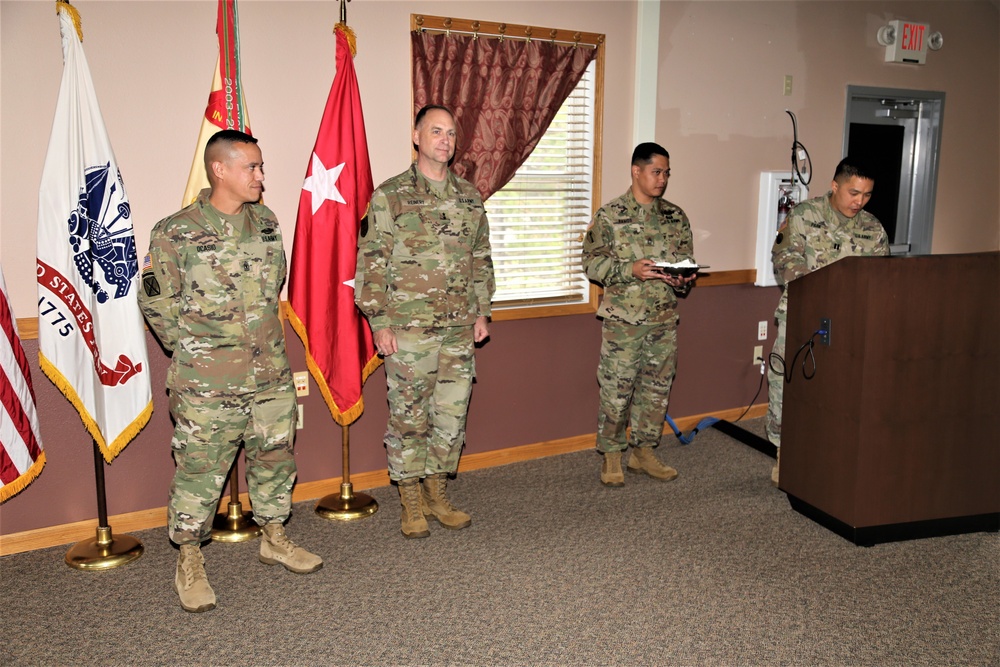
785	368
759	387
798	148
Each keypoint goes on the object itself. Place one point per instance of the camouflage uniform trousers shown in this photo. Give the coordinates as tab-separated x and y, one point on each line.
635	373
430	382
776	381
207	434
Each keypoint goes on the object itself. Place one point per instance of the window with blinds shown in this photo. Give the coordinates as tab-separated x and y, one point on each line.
538	219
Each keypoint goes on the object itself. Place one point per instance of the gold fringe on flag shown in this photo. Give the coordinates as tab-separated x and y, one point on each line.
110	450
63	5
8	491
350	414
349	36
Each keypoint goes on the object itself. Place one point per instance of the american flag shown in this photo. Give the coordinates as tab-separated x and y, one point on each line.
21	455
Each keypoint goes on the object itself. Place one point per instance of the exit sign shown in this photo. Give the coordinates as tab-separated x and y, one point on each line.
910	43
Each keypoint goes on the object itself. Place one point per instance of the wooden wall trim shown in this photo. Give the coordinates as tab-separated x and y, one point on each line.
43	538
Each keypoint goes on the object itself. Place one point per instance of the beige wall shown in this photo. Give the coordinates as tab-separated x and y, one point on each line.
720	102
152	66
721	107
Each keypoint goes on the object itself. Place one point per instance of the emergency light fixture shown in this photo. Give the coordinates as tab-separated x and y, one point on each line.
907	41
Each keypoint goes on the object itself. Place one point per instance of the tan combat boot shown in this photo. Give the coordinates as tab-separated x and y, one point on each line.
777	463
412	522
275	548
437	505
611	470
191	582
643	460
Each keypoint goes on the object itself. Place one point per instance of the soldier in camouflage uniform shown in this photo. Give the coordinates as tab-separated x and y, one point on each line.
425	281
211	289
818	232
627	238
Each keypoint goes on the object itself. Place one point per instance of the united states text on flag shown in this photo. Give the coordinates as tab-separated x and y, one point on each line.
92	343
21	455
338	186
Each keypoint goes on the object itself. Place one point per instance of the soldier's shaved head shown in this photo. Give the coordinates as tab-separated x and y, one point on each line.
220	147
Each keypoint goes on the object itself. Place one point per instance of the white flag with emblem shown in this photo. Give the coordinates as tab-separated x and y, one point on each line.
92	343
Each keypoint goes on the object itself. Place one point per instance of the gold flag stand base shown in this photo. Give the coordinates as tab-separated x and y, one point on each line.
107	550
347	506
235	525
104	552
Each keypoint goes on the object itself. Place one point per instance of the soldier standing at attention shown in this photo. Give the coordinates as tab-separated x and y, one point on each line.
211	288
818	232
425	282
628	236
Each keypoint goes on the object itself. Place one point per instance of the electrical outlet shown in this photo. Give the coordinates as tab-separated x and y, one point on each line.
762	330
300	422
301	383
758	354
824	325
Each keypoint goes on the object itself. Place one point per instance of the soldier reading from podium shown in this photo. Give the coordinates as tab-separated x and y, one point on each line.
626	240
211	286
818	232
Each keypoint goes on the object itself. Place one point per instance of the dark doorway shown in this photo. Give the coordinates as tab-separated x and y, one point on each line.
880	149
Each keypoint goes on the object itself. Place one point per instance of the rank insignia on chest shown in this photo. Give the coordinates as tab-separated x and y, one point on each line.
836	246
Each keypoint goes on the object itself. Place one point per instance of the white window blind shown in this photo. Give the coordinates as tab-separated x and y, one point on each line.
538	219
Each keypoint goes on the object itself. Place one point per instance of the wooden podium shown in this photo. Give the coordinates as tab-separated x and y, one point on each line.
897	435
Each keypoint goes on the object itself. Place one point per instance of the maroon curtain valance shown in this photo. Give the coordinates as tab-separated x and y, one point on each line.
504	93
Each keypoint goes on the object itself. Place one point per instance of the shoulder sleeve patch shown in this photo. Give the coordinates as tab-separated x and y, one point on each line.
149	283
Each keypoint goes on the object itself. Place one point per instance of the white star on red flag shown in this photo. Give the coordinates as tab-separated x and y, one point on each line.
322	183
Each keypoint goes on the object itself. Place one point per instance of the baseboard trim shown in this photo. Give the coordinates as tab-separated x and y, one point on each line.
43	538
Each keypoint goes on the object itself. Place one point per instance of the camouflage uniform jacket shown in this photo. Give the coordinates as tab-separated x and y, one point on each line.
424	259
815	234
211	295
621	234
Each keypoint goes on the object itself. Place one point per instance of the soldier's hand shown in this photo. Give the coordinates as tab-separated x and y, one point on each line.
645	269
385	342
480	330
680	282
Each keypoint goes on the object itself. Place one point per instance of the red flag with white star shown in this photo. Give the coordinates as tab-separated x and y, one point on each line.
338	186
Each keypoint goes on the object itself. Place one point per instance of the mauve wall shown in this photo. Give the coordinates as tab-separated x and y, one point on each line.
536	382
